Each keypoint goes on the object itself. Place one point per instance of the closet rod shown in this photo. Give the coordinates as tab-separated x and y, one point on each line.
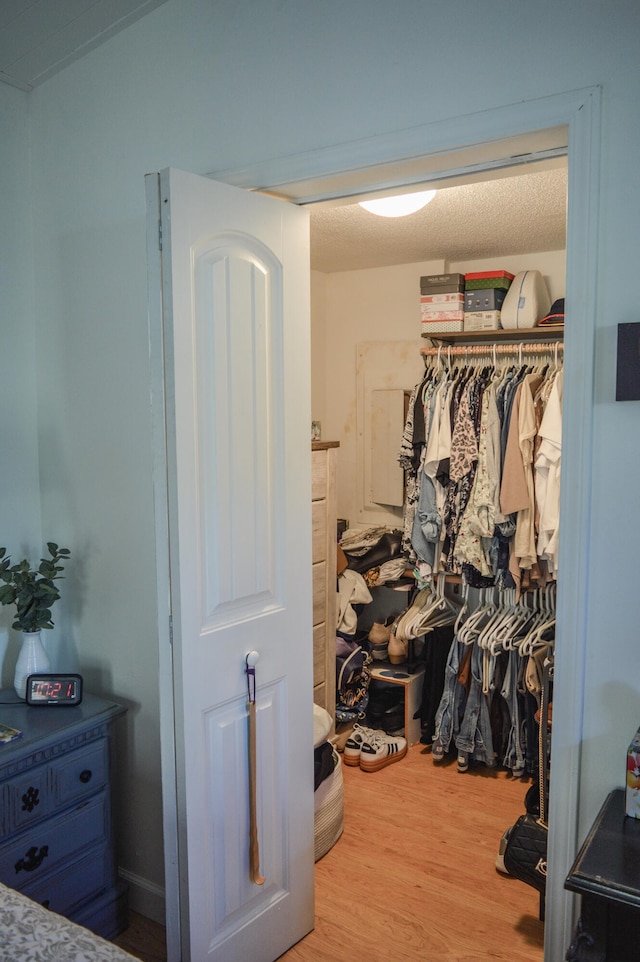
491	349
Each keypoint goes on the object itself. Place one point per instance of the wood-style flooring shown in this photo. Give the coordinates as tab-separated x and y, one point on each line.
413	878
144	939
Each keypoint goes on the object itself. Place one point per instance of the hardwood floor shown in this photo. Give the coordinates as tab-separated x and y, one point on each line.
413	878
144	939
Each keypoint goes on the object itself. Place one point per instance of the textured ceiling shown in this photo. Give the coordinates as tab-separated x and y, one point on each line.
522	213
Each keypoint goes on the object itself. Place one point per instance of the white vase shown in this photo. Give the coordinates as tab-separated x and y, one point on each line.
32	659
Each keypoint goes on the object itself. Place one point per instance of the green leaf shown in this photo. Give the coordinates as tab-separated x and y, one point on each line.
32	590
7	595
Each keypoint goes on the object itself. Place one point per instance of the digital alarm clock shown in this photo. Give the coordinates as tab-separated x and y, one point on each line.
54	689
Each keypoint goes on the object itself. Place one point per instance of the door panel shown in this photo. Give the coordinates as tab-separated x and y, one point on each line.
235	270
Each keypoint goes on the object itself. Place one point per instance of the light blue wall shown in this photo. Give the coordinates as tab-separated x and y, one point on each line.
208	86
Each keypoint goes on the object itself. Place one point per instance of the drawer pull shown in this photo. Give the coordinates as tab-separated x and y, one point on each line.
30	799
32	860
86	776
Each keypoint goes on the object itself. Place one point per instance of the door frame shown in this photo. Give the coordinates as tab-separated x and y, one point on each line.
458	147
455	148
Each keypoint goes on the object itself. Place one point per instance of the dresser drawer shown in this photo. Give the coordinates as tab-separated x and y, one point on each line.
318	531
319	653
319	580
80	772
74	882
42	790
318	475
27	799
46	846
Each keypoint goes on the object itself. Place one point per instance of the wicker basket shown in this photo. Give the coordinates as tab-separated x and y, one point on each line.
329	810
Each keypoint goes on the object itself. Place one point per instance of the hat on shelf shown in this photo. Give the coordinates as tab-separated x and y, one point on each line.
555	315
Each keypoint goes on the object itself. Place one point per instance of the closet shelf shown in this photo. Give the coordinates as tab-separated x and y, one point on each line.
524	336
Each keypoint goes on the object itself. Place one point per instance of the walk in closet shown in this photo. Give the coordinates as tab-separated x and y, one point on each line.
366	338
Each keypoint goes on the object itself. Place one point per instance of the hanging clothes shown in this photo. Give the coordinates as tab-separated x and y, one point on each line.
482	449
480	477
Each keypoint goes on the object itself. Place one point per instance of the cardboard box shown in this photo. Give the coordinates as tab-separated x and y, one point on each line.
449	323
455	298
442	315
632	787
436	304
480	280
489	299
436	282
482	321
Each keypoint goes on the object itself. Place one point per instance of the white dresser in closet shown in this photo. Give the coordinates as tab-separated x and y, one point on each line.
323	514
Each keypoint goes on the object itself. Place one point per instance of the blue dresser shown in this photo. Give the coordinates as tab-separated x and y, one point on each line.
56	837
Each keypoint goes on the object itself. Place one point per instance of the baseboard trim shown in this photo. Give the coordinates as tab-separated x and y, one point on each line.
145	897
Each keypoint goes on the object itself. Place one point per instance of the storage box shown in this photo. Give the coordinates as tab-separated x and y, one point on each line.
480	280
448	322
482	321
432	283
489	299
444	297
433	303
632	789
443	315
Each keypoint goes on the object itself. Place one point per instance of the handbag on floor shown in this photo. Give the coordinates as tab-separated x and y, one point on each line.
525	855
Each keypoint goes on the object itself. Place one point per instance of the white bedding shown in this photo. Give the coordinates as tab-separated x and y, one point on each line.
31	933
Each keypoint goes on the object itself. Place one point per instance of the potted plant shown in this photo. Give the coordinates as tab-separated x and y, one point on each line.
33	591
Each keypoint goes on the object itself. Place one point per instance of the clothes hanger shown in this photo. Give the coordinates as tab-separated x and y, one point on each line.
536	638
472	626
439	611
464	607
540	614
514	614
490	629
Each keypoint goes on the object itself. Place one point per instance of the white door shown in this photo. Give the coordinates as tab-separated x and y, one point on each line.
235	281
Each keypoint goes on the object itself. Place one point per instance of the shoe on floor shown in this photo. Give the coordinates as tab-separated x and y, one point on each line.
353	744
381	750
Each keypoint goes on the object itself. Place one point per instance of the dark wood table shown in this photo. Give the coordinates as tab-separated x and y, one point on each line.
606	874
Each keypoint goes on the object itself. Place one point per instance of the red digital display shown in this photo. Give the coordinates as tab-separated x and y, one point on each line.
54	690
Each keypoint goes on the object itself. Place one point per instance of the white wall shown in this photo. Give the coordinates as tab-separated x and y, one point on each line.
209	86
319	384
19	485
382	304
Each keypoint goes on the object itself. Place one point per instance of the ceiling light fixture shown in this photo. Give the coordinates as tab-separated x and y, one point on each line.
398	206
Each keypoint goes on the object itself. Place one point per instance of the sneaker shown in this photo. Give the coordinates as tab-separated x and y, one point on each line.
381	750
353	744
